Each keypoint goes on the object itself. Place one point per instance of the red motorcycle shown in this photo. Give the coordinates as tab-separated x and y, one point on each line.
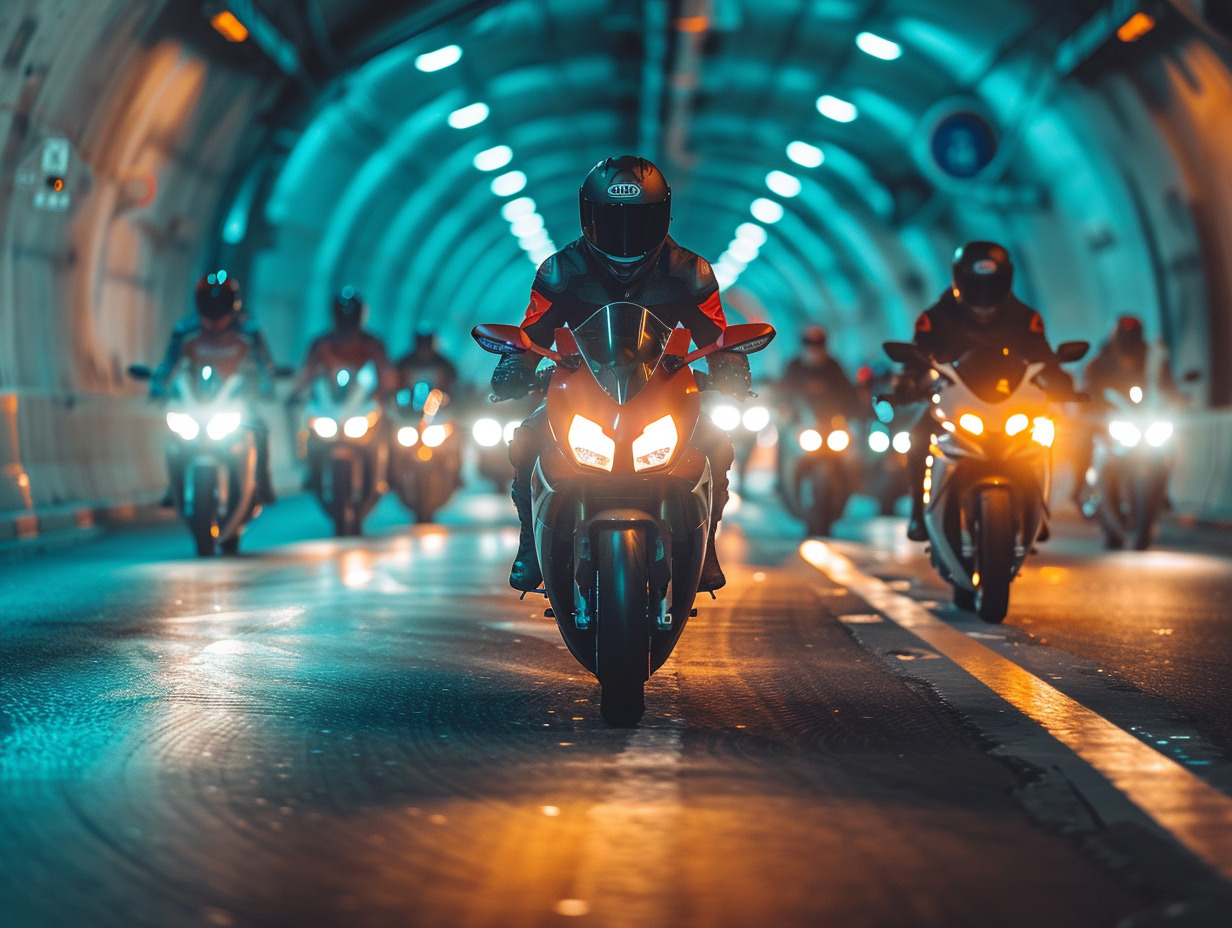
621	501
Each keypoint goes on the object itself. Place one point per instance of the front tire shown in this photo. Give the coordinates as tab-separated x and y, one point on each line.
1148	502
622	637
994	554
204	519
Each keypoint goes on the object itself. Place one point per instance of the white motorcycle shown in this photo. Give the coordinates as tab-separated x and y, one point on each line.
988	478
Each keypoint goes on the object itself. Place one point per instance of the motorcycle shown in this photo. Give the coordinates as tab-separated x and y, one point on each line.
492	436
1132	462
987	483
425	460
211	453
815	471
345	446
747	429
885	475
621	500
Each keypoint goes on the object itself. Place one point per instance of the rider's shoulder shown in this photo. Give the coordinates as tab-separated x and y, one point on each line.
559	269
688	265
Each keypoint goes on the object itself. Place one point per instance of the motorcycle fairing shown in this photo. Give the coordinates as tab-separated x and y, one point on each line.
621	345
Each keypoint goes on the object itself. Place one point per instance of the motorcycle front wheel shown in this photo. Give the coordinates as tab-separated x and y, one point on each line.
994	554
204	519
622	637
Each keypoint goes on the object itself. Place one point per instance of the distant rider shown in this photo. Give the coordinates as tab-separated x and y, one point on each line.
216	334
347	346
978	310
624	254
815	379
424	363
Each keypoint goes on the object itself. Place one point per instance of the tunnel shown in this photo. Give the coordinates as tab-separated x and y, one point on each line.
827	158
318	152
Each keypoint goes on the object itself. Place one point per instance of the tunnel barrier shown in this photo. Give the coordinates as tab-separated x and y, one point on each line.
73	461
1202	480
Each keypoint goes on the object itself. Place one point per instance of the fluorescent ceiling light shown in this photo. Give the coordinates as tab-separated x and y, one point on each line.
441	58
724	276
522	206
535	240
492	158
506	185
805	155
766	211
743	250
526	225
878	47
469	116
751	232
836	109
728	260
542	254
783	184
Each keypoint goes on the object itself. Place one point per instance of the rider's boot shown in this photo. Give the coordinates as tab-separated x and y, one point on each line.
525	574
712	574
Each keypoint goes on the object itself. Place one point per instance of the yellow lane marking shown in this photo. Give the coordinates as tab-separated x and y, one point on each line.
1195	813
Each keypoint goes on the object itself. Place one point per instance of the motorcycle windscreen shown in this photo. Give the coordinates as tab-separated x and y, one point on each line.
622	344
991	373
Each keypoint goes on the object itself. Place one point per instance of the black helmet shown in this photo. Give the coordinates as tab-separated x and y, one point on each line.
983	274
626	207
349	308
814	336
218	298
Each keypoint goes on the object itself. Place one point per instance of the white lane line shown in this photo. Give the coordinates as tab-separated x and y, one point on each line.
623	874
1195	813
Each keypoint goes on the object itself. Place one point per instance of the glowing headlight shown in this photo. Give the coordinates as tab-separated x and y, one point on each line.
590	446
838	440
487	432
510	428
879	442
656	444
1016	423
1158	432
756	418
725	417
435	435
325	428
222	425
183	425
1135	394
355	427
972	423
810	439
1126	433
902	442
407	436
1043	431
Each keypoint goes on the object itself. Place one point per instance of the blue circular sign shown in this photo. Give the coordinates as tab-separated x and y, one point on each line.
963	144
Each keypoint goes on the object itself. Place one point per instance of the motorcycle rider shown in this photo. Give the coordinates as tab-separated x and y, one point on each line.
624	254
424	361
220	327
818	380
978	309
347	346
1123	361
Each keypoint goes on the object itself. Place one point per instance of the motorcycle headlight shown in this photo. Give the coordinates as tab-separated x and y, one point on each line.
725	417
355	427
902	442
656	444
222	425
810	439
1043	431
879	442
1125	433
1135	394
324	427
435	435
756	418
407	436
1158	432
590	446
510	428
972	423
838	440
1016	423
183	425
487	432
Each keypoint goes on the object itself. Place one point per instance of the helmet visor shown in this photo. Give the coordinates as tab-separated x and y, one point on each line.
626	230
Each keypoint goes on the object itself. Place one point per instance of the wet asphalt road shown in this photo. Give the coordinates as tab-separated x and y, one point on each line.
377	732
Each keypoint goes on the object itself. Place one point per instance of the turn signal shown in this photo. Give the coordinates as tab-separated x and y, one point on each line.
590	446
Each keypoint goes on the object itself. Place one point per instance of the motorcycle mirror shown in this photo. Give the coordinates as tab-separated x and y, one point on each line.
904	353
508	339
1068	352
139	372
742	339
